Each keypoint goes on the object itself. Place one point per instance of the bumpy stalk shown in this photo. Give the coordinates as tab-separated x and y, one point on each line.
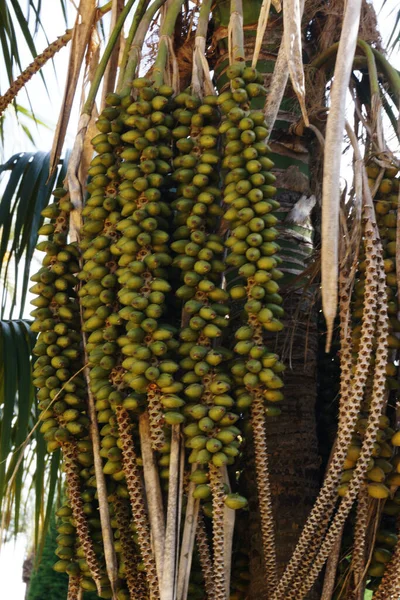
74	589
324	505
218	495
33	68
303	581
82	528
358	557
264	488
135	490
136	583
205	558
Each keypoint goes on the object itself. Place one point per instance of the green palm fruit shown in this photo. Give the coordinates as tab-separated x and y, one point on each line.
202	492
219	459
235	501
197	442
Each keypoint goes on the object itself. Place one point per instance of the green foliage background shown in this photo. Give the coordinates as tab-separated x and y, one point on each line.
45	582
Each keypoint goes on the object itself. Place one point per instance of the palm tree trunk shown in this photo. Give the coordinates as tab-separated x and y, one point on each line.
292	439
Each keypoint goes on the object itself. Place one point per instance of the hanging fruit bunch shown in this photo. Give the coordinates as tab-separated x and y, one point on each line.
157	307
146	377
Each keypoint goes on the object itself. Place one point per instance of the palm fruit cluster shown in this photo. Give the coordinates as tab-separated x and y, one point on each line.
142	303
61	388
379	474
384	476
252	250
211	432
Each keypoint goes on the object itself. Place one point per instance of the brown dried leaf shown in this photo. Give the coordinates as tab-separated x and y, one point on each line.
333	152
84	24
292	40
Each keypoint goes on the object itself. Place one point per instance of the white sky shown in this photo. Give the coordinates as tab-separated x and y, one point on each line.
47	108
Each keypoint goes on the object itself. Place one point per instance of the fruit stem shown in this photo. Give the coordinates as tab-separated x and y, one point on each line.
188	537
166	43
139	13
235	33
205	557
128	71
201	74
168	588
264	489
218	504
153	492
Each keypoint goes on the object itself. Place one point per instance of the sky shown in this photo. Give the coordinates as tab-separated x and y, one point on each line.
47	106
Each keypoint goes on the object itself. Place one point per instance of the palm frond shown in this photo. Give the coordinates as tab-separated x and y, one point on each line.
25	195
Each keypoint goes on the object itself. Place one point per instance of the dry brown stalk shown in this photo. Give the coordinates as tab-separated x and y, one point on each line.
218	504
205	558
373	249
156	418
153	493
264	488
74	587
136	495
33	68
75	498
359	545
135	579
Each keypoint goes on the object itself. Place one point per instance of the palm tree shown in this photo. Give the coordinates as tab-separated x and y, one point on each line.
160	332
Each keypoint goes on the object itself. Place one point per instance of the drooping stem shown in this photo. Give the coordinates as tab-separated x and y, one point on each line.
74	588
360	533
134	578
229	527
205	558
188	537
168	588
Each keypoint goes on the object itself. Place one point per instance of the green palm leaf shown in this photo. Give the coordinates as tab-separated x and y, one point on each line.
26	193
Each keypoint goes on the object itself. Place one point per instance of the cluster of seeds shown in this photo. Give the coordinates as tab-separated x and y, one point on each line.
177	223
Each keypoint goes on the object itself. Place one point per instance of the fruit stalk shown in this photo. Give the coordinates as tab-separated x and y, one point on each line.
153	493
136	496
82	528
218	496
205	558
135	580
264	489
74	589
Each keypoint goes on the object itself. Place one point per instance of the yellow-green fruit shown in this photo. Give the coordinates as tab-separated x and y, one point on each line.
376	474
235	501
202	492
378	490
396	439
